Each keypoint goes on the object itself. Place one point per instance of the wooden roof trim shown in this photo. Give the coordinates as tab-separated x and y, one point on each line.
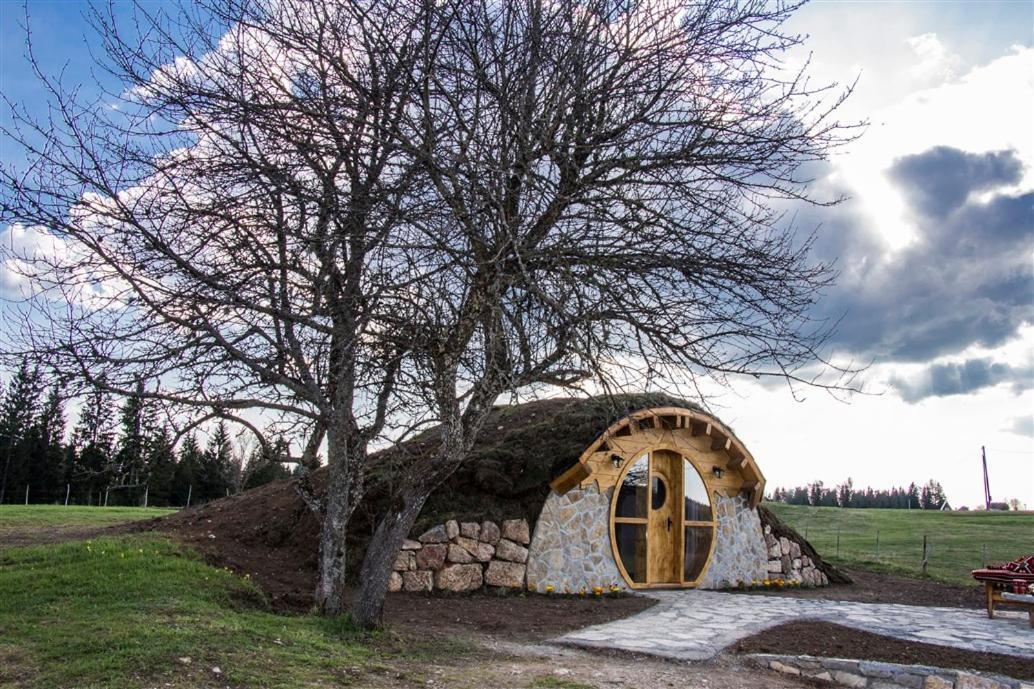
570	478
699	423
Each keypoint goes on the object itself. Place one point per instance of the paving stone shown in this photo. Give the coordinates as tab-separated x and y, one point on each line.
698	624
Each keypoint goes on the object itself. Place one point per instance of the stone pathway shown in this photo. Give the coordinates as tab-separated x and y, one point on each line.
698	625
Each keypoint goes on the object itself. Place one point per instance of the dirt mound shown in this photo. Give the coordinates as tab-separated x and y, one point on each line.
267	533
270	534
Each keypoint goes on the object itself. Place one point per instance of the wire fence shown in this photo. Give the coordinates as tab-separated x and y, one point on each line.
946	547
100	496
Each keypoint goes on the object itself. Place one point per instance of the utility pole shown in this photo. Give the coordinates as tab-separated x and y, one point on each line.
987	486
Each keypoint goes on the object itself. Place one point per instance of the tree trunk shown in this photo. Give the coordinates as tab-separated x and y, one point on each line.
368	607
346	457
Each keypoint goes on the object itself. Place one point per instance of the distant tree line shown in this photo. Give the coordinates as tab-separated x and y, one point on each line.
928	497
117	452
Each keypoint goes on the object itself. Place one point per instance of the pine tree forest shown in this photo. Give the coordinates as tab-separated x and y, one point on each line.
117	451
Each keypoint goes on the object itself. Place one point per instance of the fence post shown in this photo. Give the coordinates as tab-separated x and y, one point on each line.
877	544
106	490
924	555
68	489
190	489
26	495
146	489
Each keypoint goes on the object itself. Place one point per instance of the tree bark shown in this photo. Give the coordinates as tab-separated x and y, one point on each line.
368	607
344	451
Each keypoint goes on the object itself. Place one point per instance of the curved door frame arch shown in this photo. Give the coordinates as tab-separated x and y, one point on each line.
629	463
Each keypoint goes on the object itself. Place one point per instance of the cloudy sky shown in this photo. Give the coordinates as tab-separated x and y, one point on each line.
935	245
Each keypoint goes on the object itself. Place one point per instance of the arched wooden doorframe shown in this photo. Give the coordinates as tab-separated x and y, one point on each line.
630	462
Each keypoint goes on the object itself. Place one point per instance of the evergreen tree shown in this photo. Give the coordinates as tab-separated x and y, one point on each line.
266	465
48	452
93	441
18	412
160	463
130	465
912	497
845	492
214	481
815	493
187	472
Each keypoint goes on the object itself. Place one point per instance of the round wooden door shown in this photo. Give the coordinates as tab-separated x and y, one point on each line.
663	522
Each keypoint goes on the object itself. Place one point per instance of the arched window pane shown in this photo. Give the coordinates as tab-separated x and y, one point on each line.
698	506
697	547
631	540
633	494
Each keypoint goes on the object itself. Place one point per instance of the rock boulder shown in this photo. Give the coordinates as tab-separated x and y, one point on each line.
459	578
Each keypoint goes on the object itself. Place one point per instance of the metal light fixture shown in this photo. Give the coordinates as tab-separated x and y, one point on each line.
717	471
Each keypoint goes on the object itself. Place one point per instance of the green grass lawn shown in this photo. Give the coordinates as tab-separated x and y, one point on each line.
22	517
957	542
123	612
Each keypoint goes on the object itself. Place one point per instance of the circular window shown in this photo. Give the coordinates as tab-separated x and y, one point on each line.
659	491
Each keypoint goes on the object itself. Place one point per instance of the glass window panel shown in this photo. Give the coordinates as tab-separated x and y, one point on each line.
633	494
631	539
659	493
698	506
697	547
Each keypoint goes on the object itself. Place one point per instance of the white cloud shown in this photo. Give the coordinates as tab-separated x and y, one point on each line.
936	64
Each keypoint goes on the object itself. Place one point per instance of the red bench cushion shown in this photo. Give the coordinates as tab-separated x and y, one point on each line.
1021	568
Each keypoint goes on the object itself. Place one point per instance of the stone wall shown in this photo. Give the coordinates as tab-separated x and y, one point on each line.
463	556
740	554
571	547
859	674
571	551
786	561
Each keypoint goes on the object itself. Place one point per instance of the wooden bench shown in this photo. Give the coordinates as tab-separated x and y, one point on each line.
996	596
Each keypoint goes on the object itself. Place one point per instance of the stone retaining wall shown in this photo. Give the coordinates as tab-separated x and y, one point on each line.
463	556
786	561
859	674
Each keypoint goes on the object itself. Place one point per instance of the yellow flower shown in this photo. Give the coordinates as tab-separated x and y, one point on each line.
549	588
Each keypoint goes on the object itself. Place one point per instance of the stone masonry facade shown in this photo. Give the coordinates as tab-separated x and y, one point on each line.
740	555
571	549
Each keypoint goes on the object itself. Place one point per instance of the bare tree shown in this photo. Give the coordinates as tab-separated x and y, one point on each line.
225	224
352	215
606	178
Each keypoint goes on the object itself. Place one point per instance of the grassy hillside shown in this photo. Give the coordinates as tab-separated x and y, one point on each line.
139	611
957	542
73	516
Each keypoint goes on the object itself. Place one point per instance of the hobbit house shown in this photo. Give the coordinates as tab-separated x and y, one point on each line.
571	495
557	495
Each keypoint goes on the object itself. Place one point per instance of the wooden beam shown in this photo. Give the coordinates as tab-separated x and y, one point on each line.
737	460
570	478
719	442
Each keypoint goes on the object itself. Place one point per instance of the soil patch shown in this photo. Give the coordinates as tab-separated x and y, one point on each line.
877	587
829	640
508	617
